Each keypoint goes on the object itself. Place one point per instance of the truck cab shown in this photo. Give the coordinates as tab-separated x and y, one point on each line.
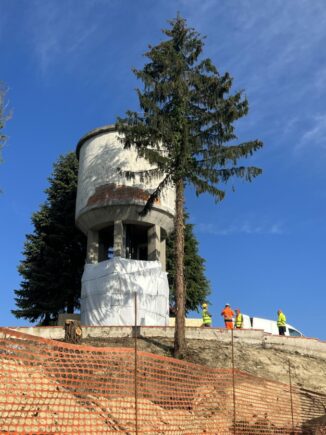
269	326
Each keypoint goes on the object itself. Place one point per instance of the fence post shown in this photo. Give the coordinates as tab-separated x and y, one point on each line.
233	384
291	397
136	364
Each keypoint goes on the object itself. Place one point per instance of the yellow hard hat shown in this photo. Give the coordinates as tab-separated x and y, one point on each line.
204	305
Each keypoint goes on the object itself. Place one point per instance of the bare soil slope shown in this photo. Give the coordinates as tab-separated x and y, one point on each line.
306	371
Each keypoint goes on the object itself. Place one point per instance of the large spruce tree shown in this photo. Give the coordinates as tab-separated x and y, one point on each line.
54	254
185	130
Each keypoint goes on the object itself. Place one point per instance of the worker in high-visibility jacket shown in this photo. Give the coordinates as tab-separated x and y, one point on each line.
228	314
281	321
207	318
238	319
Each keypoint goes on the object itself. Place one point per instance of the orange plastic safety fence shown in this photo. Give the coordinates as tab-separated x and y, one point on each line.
49	387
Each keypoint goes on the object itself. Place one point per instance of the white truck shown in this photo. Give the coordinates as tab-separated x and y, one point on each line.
269	326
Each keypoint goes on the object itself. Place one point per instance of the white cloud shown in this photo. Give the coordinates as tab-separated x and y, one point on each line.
273	51
276	229
271	48
245	227
315	136
60	32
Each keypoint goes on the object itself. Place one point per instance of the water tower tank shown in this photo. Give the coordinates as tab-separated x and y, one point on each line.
123	248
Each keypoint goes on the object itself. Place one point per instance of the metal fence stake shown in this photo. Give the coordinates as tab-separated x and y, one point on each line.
233	385
136	365
291	397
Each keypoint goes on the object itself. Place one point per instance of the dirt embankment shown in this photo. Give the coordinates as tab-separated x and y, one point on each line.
306	371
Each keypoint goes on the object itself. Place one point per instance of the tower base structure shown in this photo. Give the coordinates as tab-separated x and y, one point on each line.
126	250
109	288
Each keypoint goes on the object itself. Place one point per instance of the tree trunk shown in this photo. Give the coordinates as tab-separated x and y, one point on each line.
179	336
73	331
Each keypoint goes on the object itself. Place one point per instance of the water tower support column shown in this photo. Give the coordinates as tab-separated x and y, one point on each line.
118	239
92	246
154	243
163	253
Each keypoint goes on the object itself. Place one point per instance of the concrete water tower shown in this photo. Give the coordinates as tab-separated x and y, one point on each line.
125	251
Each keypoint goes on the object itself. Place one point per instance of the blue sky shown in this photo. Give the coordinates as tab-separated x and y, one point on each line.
67	65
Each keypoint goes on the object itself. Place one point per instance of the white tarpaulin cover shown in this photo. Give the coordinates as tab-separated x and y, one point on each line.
108	289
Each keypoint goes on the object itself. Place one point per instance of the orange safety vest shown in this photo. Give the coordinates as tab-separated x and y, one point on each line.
227	313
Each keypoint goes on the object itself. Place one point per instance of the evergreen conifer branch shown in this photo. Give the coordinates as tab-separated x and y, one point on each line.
186	129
